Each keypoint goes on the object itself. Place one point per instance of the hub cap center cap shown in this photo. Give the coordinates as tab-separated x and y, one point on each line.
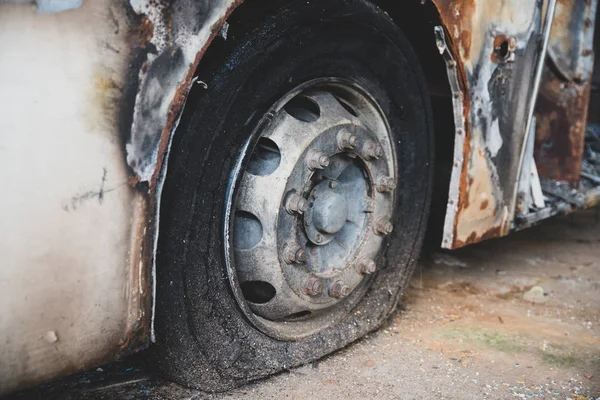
330	208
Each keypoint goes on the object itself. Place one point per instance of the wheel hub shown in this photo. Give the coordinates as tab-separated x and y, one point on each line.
312	201
330	206
327	213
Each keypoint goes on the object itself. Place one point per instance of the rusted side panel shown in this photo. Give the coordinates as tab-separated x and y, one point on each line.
561	114
561	110
495	45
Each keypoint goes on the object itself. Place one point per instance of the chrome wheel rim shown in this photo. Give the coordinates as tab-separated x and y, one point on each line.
309	207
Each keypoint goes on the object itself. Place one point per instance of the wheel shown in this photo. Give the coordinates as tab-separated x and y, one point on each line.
296	193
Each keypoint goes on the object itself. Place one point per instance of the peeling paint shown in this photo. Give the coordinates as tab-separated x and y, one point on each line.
562	108
181	31
497	91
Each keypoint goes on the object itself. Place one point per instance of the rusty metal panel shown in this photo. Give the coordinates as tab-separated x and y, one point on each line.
496	47
562	106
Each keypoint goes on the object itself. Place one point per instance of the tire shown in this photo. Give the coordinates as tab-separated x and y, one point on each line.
204	339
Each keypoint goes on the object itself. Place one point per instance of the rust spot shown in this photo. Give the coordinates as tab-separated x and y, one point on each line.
494	232
457	18
144	32
504	47
484	204
561	115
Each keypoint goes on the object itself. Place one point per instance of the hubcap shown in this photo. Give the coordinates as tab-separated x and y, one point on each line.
306	224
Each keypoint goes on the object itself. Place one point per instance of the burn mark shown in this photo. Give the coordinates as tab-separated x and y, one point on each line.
504	48
562	107
561	114
490	41
179	31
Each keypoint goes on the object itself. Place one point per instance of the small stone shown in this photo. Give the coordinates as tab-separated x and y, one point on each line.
535	295
51	337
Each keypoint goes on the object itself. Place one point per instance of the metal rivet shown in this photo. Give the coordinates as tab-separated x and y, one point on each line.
296	203
367	266
383	226
338	290
313	287
319	238
371	150
386	184
346	140
316	160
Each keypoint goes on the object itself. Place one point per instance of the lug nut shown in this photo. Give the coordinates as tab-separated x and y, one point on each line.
367	266
371	150
316	160
338	290
294	254
313	287
383	226
346	140
386	184
296	204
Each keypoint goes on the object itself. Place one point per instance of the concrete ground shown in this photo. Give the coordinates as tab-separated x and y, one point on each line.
517	317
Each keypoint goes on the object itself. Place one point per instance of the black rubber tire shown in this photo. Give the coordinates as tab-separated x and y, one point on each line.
203	338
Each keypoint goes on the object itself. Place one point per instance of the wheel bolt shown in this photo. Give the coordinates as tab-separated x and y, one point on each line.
294	254
367	266
383	226
386	184
296	204
319	238
313	287
338	290
333	184
346	140
371	150
316	160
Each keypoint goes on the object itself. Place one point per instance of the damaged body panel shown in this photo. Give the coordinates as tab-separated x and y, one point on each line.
72	288
496	48
565	92
93	94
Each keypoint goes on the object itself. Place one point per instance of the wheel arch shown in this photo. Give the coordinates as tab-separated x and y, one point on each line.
154	119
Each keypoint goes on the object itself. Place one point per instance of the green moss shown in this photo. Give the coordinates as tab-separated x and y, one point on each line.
496	340
568	360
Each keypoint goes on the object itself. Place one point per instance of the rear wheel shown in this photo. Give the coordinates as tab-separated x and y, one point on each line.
296	193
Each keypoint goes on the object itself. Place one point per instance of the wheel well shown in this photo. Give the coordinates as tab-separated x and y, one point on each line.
417	21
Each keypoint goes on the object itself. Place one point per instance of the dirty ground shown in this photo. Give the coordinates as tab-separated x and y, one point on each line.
512	318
